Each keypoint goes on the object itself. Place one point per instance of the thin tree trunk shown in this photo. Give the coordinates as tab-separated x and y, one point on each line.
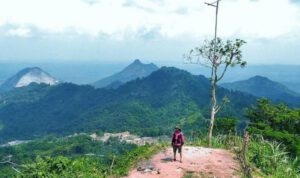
211	125
213	111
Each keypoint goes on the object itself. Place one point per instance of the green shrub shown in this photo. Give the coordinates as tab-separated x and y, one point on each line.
64	167
271	158
276	122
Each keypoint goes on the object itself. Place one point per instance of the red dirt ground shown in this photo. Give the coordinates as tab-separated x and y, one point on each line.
199	161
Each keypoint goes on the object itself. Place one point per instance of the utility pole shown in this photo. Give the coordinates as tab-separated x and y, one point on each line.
216	5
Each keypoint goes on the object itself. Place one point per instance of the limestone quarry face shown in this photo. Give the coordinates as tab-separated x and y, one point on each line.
27	76
34	77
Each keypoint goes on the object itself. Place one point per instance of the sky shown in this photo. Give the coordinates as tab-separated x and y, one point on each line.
158	31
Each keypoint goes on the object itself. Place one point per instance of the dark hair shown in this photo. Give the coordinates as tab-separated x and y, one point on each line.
177	128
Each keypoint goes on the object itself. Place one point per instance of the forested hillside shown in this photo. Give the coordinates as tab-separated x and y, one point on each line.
148	106
263	87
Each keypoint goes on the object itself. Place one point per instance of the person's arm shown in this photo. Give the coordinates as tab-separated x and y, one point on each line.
182	138
172	142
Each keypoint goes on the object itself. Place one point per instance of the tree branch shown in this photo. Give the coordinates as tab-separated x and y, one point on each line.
218	109
226	66
223	73
16	169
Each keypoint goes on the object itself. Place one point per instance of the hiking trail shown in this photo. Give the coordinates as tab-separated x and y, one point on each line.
197	161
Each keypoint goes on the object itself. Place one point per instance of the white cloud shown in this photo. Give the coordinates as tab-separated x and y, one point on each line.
171	18
20	32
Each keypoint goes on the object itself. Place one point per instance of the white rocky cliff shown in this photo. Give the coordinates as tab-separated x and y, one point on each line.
28	76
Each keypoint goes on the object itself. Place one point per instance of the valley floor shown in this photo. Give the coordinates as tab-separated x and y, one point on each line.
197	162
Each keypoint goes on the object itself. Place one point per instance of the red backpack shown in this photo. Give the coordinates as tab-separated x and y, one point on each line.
177	141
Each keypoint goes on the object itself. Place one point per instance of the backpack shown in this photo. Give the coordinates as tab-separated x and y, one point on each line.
178	141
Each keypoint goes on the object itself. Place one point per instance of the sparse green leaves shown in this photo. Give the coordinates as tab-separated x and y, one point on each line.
217	53
225	100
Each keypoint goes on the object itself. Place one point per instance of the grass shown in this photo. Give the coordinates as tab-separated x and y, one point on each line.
190	174
272	159
128	161
266	158
221	141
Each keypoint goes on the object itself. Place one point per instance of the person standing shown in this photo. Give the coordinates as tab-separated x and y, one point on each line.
177	142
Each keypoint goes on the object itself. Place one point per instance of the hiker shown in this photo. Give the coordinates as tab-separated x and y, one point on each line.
177	142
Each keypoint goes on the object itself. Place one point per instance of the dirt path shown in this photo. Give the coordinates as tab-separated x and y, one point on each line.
197	161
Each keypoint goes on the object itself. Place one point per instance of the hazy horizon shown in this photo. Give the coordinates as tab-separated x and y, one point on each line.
87	72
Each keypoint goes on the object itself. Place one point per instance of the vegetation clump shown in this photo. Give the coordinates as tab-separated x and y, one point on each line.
69	157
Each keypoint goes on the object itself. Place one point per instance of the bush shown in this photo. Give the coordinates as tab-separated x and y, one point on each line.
271	158
225	125
64	167
276	122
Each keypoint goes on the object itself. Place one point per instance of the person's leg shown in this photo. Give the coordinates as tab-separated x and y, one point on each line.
174	151
180	153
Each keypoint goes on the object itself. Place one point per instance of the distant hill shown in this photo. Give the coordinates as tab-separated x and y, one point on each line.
31	93
263	87
26	77
135	70
294	86
146	106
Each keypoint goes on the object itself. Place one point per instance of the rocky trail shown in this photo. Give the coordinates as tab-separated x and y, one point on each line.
197	162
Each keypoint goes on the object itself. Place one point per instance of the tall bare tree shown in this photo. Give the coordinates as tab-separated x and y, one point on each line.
218	56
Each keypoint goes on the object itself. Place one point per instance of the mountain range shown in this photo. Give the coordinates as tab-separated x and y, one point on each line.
263	87
27	76
142	98
133	71
146	106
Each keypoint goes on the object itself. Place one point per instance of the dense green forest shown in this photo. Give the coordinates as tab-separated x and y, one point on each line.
28	94
149	106
71	157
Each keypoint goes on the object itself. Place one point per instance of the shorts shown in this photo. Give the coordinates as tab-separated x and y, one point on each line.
175	148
